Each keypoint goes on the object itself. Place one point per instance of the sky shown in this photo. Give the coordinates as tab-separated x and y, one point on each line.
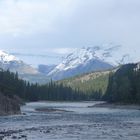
44	31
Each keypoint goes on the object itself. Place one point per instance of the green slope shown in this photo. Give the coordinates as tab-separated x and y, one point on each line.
90	83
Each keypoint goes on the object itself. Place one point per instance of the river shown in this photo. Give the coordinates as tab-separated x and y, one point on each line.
71	121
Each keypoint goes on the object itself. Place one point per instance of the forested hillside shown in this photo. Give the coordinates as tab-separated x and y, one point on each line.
124	85
93	84
11	85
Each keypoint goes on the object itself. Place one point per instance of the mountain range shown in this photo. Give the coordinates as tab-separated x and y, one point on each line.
87	60
14	64
83	60
25	71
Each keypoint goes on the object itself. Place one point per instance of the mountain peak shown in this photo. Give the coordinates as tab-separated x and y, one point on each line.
87	59
5	57
8	61
74	59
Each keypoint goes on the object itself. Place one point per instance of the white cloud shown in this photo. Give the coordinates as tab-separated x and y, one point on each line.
45	56
57	26
62	51
27	16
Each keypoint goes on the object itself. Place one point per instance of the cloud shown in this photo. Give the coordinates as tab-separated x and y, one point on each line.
62	51
31	55
55	27
48	52
47	56
27	17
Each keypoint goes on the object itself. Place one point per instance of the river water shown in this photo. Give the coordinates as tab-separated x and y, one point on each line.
71	121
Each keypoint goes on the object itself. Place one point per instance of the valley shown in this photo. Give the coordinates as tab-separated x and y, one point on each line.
69	70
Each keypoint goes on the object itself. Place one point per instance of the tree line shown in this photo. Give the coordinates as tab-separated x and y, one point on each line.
11	85
124	85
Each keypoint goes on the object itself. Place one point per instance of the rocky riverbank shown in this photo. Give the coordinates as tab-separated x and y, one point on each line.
9	106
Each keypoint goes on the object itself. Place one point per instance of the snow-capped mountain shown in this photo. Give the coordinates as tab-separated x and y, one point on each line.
6	58
14	64
24	70
89	59
84	60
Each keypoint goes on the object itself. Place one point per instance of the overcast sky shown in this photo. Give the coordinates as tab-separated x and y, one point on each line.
41	31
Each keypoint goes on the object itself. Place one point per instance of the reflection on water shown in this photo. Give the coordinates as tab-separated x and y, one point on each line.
74	121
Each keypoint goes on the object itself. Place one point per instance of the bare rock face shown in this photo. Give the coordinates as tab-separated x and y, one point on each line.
9	106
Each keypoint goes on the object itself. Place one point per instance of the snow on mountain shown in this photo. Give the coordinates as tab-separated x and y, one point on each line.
113	54
80	61
76	58
107	55
5	57
8	61
84	55
24	70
